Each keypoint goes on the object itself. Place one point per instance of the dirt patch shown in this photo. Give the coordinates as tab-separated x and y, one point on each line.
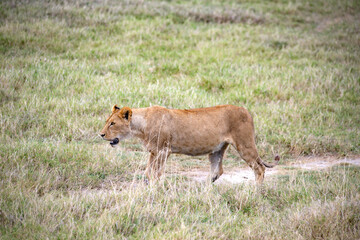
231	176
241	175
321	163
326	23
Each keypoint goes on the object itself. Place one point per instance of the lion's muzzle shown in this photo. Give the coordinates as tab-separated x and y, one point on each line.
114	142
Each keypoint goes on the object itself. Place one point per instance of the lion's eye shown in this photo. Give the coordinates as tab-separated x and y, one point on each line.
112	123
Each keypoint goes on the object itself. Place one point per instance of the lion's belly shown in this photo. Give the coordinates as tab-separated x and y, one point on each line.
200	140
194	149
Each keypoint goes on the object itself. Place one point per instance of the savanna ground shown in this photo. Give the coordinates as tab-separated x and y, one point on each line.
294	64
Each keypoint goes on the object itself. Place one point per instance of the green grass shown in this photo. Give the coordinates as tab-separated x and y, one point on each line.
294	64
304	205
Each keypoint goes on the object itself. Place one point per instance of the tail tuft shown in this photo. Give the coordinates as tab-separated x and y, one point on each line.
277	159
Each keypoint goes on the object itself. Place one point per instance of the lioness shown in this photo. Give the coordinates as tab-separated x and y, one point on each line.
192	132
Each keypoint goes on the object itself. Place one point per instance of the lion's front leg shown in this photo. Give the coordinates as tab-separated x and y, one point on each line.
148	171
156	164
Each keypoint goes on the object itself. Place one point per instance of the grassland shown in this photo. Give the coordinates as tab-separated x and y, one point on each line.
294	64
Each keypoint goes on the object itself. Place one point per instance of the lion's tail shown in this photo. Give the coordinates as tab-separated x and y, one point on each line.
277	159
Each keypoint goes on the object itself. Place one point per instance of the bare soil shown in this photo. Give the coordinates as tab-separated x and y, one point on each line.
230	176
240	175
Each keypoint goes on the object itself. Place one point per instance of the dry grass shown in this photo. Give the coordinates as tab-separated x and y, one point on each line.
309	205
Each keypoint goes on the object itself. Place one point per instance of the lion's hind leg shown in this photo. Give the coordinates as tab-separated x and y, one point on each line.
216	163
250	155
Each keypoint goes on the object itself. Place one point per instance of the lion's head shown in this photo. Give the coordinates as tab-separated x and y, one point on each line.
117	126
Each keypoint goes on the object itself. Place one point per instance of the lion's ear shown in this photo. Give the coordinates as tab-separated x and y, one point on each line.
126	113
115	108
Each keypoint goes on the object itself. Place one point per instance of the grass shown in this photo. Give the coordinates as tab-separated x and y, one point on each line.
305	205
294	65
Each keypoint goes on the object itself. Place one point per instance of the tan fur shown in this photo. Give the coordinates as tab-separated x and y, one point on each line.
192	132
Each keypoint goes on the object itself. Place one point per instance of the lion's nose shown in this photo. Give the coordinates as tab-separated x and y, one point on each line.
102	134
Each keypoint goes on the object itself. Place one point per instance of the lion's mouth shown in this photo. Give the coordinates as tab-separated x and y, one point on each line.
114	142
